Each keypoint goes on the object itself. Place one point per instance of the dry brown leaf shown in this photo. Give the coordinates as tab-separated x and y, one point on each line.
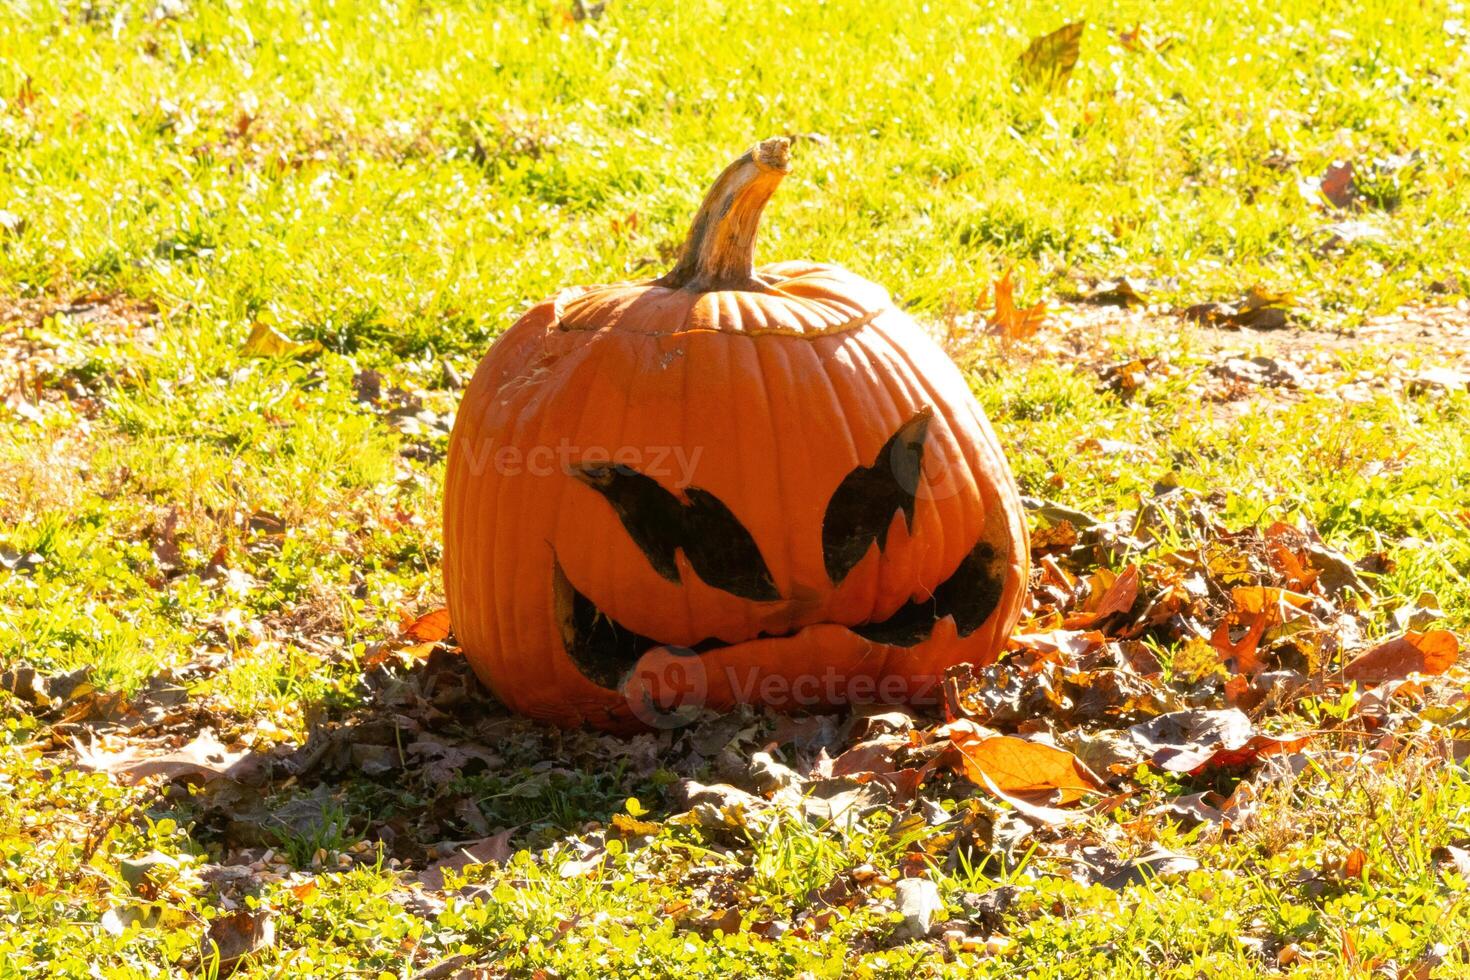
495	848
1050	816
1070	644
1049	59
235	935
873	756
1197	739
1337	185
902	784
1256	609
206	757
1117	598
1413	652
727	921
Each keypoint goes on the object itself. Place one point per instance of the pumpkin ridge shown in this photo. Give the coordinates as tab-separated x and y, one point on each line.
584	297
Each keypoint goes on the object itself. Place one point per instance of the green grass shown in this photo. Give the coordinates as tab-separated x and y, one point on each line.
400	180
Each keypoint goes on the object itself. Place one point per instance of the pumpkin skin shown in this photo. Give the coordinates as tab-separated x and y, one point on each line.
725	485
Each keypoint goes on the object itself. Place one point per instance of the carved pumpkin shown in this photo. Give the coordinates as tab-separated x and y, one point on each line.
727	484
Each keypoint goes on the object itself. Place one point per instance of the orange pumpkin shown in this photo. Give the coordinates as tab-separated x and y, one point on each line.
727	484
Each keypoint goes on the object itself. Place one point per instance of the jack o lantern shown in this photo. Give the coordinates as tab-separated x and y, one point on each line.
725	485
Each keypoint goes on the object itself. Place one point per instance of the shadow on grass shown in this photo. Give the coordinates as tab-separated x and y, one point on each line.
430	761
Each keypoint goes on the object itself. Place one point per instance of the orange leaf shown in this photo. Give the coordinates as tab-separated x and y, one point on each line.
1243	655
1118	598
1008	321
1256	599
1015	766
1433	652
431	627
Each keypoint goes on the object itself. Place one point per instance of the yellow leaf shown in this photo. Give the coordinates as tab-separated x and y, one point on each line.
266	341
1049	59
633	827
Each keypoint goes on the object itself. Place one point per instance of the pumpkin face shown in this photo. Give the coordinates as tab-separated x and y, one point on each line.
726	485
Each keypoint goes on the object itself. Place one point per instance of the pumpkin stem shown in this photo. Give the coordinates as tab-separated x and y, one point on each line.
720	250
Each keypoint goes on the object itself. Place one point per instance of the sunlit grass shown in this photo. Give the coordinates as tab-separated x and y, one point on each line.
399	180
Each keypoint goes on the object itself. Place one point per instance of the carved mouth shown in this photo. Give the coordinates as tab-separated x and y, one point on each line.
605	651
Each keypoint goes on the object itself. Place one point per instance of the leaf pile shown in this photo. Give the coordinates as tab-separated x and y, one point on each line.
1158	648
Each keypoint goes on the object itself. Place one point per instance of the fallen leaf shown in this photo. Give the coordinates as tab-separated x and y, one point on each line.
1242	655
1337	185
431	627
236	935
205	757
919	904
1211	807
1197	739
725	920
1141	38
1038	813
1049	60
578	867
1413	652
842	892
901	784
1456	859
1268	372
1261	309
1117	598
1123	291
1156	863
1437	379
1071	644
769	776
1017	767
873	756
1009	321
267	341
1061	536
626	825
495	848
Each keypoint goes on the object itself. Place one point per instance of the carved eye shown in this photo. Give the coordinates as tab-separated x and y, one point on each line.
718	547
862	507
724	554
